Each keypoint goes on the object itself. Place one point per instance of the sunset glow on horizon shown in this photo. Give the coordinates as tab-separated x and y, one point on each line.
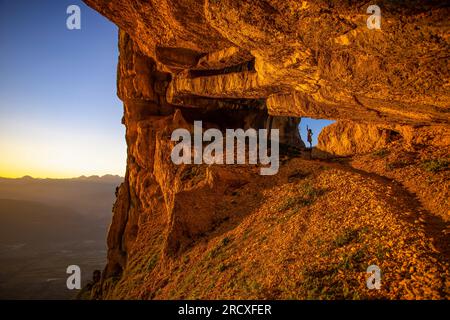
54	152
59	113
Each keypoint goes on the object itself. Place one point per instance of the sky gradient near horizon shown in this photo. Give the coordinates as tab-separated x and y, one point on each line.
59	114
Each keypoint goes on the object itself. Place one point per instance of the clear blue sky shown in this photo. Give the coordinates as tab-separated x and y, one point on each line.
59	114
316	125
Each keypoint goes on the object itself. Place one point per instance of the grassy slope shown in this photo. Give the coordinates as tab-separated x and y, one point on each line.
309	232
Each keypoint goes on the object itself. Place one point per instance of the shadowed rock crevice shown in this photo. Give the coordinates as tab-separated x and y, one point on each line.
242	67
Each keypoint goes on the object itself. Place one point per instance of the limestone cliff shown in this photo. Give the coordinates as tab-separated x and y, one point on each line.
306	58
345	138
265	64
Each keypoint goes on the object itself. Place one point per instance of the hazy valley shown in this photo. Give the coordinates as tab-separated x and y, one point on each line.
47	225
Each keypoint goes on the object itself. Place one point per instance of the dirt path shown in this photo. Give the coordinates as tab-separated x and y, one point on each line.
436	228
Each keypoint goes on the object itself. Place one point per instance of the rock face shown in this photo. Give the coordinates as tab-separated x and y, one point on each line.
306	58
345	138
154	187
259	64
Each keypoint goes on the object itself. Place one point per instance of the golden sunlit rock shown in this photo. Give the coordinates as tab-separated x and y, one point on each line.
312	230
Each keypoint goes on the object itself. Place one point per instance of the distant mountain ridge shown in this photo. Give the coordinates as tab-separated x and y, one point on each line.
93	195
97	178
106	177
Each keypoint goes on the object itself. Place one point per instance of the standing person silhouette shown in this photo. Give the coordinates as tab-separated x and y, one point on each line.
310	133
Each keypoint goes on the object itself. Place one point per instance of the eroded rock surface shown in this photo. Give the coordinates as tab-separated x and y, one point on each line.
307	58
153	185
346	138
263	64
